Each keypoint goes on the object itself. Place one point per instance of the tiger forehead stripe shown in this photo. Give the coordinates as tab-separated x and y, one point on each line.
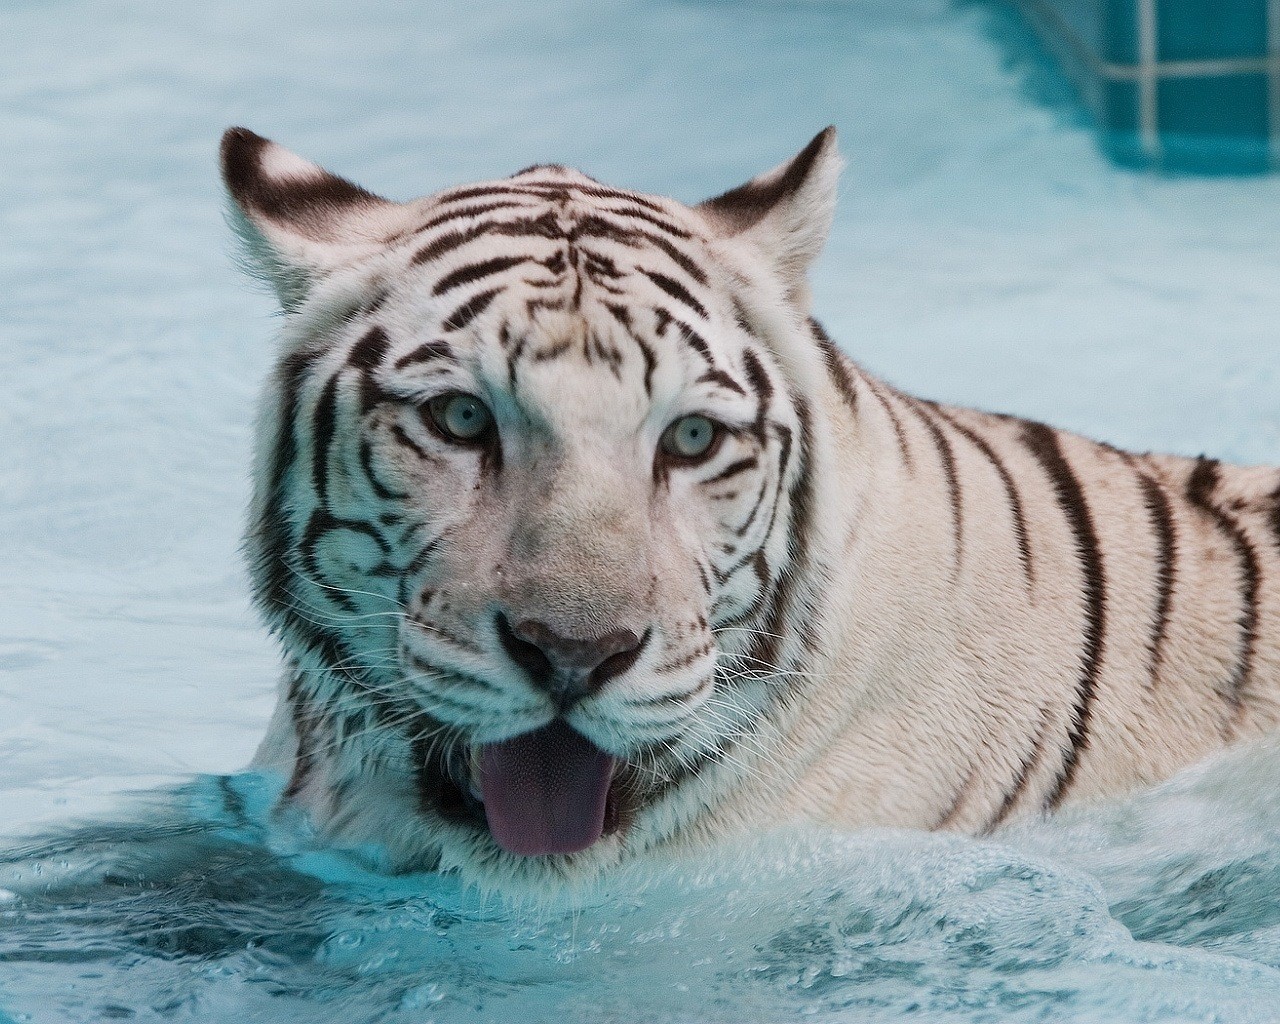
469	310
676	290
426	352
542	190
370	350
472	272
466	213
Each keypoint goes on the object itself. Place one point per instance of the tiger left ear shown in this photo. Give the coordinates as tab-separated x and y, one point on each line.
786	212
297	220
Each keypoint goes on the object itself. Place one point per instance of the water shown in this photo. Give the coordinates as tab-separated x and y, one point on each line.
983	253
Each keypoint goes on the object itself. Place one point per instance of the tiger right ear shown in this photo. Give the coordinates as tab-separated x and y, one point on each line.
786	212
298	221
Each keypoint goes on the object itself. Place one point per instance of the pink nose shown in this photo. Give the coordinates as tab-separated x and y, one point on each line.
566	667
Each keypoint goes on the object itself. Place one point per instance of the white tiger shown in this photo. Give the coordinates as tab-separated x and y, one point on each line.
584	542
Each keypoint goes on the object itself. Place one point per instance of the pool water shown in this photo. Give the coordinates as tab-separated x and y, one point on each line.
984	253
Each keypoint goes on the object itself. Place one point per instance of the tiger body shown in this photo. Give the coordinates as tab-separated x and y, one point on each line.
855	607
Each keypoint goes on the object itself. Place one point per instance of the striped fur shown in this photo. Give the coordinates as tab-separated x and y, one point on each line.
861	608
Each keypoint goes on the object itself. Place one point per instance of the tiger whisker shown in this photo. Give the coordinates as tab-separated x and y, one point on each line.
348	591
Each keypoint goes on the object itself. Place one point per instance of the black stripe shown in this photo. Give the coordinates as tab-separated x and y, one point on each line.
676	290
620	314
837	367
304	728
685	263
319	526
367	356
1010	490
447	242
424	353
687	334
475	272
1157	503
758	378
544	226
1201	486
513	359
323	427
702	575
596	192
733	469
431	742
947	457
553	351
271	578
661	223
379	488
480	192
1042	442
948	817
404	439
783	613
784	464
1275	514
723	380
422	556
679	768
469	310
635	238
650	362
288	200
468	211
695	341
904	449
1020	779
367	353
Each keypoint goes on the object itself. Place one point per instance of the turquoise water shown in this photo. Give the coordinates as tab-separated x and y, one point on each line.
984	253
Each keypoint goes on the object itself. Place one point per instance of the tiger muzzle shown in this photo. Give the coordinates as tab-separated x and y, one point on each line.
568	668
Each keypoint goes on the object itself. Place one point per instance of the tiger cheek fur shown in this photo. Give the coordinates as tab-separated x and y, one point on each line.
544	460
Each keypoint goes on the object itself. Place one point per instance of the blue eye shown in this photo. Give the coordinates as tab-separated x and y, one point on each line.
690	437
461	417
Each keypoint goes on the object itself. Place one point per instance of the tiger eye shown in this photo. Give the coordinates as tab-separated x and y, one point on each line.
689	437
461	417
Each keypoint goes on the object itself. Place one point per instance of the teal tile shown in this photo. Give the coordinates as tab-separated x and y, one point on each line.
1119	23
1211	29
1120	111
1226	106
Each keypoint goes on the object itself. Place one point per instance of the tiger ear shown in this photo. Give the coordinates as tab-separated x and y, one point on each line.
298	222
786	212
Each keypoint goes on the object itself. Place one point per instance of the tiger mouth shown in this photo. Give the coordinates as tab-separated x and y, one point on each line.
550	791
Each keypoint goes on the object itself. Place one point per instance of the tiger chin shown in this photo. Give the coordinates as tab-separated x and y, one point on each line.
584	543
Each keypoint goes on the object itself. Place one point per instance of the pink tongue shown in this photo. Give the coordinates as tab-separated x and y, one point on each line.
545	792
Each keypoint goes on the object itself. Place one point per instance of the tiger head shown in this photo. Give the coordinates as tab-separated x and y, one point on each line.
533	488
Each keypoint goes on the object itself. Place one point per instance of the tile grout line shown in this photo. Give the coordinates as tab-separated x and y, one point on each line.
1272	51
1148	111
1194	68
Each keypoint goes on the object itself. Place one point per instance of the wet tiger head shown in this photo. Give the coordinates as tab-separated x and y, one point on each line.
533	476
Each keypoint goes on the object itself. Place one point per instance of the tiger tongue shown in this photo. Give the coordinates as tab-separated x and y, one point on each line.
545	792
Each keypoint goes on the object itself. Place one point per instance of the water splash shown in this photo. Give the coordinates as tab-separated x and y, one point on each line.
204	909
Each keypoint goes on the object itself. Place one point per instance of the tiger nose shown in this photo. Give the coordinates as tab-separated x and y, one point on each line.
568	668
